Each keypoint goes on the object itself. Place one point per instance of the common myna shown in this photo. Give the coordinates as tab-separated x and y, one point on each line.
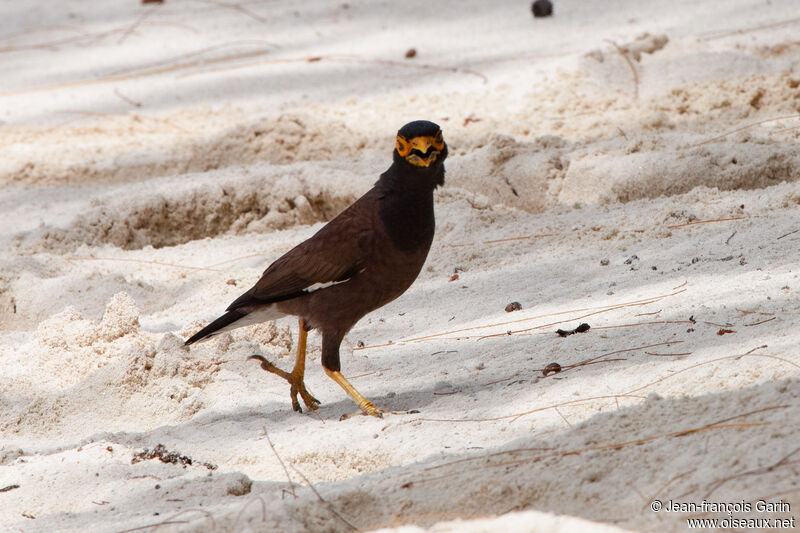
361	260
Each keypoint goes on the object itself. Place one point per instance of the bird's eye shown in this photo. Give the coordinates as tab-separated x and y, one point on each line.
403	147
439	142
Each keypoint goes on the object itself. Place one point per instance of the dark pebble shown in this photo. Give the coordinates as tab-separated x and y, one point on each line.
542	8
552	368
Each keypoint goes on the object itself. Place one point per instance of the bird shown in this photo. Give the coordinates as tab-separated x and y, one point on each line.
365	257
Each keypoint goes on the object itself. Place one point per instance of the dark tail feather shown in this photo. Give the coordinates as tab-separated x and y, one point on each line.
228	318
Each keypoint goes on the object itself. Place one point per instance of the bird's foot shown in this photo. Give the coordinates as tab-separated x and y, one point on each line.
367	408
297	386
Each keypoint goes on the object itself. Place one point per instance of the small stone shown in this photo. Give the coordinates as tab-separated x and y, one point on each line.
653	397
513	306
567	332
411	52
552	368
604	262
239	485
542	8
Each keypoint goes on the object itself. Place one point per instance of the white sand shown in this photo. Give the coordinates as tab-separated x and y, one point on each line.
157	158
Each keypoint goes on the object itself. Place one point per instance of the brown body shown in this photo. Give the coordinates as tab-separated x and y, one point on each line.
361	260
384	273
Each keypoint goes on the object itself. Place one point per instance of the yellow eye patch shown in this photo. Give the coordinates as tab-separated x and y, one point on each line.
403	146
438	143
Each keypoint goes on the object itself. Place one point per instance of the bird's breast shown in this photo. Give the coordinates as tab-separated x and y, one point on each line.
408	221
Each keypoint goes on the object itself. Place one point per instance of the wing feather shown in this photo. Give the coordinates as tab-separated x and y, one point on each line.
335	253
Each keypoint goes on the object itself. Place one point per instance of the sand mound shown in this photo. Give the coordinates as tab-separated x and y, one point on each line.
179	212
106	366
726	165
612	147
514	173
132	147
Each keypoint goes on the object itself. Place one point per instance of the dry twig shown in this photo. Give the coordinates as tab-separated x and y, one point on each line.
742	128
757	471
719	34
760	322
141	261
235	7
171	520
232	527
500	241
695	222
283	465
349	59
133	27
132	102
170	65
624	54
330	507
616	446
592	311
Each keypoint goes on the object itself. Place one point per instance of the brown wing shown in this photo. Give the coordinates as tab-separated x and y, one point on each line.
335	253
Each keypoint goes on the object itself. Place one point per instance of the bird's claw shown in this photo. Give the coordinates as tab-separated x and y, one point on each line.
297	386
367	409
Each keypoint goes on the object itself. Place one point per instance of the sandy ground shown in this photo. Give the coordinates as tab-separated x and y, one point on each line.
630	165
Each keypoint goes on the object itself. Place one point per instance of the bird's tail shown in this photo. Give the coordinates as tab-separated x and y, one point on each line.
214	328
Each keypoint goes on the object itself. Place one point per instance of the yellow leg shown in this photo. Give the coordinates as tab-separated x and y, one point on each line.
295	378
365	405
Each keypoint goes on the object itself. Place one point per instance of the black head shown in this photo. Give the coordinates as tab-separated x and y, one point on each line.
420	144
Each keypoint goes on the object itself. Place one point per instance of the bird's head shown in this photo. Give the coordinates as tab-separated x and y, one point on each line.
420	144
